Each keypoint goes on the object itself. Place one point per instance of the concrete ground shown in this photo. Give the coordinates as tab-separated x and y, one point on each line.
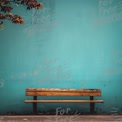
59	118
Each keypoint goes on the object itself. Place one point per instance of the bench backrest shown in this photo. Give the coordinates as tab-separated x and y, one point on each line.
62	92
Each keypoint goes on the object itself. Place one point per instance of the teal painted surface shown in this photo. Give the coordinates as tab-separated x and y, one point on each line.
67	44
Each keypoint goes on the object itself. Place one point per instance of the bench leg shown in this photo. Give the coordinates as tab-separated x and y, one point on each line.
35	105
92	105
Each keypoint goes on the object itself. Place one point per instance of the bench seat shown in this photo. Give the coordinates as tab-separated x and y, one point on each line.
64	101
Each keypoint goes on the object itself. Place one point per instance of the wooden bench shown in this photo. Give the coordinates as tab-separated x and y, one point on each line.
63	92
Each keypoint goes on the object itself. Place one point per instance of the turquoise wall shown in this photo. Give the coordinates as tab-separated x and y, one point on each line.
66	44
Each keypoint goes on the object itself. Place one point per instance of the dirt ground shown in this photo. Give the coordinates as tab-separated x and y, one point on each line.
58	118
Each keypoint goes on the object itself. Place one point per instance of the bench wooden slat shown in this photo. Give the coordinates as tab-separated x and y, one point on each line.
58	93
64	101
62	89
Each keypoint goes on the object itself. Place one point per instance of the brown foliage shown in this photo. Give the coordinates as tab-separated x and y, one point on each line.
6	7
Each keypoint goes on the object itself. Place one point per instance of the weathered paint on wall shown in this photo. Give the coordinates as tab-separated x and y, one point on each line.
67	44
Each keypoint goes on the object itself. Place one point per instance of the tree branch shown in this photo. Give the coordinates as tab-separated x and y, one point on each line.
7	7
